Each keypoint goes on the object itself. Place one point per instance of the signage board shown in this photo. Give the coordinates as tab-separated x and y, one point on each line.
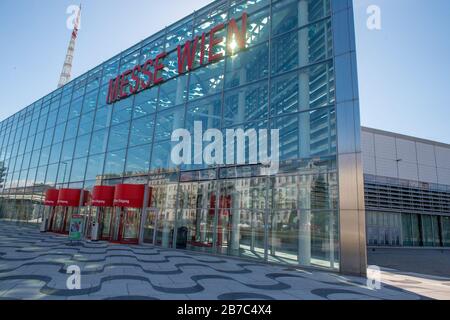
194	53
76	227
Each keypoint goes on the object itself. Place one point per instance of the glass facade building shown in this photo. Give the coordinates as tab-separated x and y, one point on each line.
297	73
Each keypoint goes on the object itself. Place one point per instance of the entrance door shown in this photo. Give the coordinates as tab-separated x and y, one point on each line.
105	220
125	225
61	219
150	226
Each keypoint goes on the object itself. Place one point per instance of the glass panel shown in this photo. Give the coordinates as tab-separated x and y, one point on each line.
115	161
122	111
145	102
416	234
244	104
119	136
167	121
285	16
86	123
427	230
142	130
138	160
306	134
78	169
446	231
407	230
95	167
299	49
99	141
208	111
247	66
102	117
90	102
82	146
161	156
172	92
207	80
55	153
72	128
75	108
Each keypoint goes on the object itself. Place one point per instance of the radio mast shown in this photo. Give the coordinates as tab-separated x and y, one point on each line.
67	67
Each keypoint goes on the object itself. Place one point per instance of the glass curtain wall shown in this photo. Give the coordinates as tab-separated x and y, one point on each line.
283	79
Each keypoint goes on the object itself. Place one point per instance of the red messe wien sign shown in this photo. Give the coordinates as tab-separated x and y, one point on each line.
147	75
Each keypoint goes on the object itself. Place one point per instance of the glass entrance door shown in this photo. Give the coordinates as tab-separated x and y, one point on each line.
61	220
125	225
150	225
105	220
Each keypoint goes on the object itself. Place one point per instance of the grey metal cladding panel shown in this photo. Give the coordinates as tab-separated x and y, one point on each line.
352	242
348	127
406	150
386	167
408	171
360	181
351	31
350	172
356	115
341	33
442	157
385	147
354	65
425	154
443	176
344	78
369	164
338	5
367	143
428	174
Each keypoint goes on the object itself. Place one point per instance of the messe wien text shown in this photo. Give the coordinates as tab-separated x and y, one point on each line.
191	54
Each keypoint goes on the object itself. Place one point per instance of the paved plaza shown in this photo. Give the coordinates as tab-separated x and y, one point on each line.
33	265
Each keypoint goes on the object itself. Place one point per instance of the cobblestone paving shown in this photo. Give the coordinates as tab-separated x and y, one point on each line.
33	265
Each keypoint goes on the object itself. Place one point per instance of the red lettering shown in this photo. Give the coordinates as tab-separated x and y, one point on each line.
158	67
137	80
202	51
113	90
186	54
213	42
240	37
147	73
124	83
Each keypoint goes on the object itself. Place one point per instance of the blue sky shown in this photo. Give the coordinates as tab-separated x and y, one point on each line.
404	68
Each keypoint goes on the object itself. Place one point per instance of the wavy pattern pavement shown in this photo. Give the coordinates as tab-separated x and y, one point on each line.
33	266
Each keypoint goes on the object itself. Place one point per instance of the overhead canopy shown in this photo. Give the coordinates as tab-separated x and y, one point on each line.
69	197
51	197
103	196
129	195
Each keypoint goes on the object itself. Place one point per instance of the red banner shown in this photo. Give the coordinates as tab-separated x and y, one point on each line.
51	197
69	197
103	196
129	195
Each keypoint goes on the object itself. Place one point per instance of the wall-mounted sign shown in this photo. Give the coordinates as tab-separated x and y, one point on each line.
149	74
76	227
